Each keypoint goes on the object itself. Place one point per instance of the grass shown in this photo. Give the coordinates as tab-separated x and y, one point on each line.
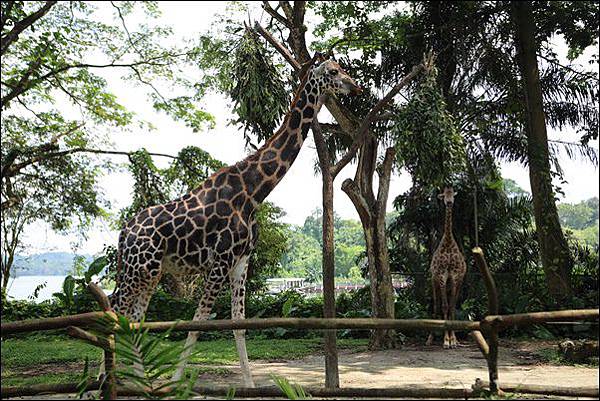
59	359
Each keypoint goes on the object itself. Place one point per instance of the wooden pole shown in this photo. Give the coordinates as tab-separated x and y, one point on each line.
377	393
52	323
481	343
109	384
525	319
86	319
491	331
542	389
313	324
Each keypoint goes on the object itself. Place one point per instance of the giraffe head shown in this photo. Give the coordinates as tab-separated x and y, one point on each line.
448	195
328	76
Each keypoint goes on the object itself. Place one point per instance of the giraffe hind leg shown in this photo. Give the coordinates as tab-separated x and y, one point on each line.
213	283
132	296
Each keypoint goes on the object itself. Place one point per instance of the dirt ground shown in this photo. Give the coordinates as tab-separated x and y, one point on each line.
412	365
419	365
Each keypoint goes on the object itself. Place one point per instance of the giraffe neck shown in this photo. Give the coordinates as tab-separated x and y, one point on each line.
269	164
448	238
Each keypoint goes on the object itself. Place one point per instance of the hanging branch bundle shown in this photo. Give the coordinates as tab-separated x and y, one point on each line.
428	143
259	92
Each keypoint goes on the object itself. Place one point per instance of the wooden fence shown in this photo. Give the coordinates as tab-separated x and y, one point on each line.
485	333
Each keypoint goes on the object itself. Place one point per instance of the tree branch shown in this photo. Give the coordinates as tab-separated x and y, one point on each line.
360	203
384	177
279	47
20	26
273	13
574	71
363	130
6	13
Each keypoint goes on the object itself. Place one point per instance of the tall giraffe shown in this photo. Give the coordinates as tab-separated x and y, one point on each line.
448	268
212	230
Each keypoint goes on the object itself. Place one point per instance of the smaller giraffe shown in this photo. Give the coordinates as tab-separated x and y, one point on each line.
448	268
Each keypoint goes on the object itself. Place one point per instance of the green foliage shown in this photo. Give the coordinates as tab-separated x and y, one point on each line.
260	95
303	258
579	216
273	242
75	297
144	354
291	391
428	143
56	100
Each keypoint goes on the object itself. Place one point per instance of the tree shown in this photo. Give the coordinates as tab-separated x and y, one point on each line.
579	216
556	257
273	243
12	223
57	107
357	128
478	77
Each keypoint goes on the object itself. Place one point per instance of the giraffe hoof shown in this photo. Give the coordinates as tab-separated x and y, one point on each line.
446	345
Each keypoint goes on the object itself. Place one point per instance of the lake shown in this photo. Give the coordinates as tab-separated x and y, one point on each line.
22	287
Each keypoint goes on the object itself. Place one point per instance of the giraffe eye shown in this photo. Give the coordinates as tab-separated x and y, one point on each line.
333	72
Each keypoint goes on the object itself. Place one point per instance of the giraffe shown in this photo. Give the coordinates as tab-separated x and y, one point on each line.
212	230
448	268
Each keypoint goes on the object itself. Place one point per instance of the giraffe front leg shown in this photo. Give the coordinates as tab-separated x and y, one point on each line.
444	301
238	293
212	285
454	289
434	298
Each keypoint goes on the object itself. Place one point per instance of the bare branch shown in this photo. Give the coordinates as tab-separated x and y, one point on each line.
278	46
360	203
384	178
273	13
20	26
324	162
363	130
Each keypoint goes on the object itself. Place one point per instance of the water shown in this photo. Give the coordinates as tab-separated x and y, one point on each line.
22	287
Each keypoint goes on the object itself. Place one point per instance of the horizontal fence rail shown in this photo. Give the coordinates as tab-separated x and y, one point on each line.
270	391
501	321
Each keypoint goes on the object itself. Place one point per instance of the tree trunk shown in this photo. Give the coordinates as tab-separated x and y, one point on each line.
331	357
372	216
556	257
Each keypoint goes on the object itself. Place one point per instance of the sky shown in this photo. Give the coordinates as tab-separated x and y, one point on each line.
299	193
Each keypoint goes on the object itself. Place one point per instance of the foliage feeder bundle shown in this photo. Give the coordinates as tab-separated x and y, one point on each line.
258	91
428	143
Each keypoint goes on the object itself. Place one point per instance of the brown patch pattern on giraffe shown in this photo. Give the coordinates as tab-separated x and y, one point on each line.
448	269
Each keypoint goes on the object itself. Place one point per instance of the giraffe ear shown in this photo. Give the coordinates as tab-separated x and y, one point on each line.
440	196
319	57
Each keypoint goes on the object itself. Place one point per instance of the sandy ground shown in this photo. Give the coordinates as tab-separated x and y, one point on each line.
418	365
413	364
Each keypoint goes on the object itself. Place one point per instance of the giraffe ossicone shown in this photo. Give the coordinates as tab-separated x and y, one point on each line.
212	230
448	268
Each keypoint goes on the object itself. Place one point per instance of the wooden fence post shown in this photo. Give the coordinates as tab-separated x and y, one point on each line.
489	349
109	384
